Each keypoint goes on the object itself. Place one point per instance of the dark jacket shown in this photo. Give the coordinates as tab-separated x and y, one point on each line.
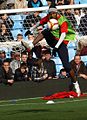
50	67
4	77
19	76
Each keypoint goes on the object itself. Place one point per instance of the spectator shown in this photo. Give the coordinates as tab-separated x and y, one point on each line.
30	62
49	64
21	74
24	57
3	4
63	74
12	56
70	16
34	3
65	2
16	62
10	4
82	26
2	57
30	20
78	15
79	67
50	3
82	46
38	71
19	37
6	75
7	21
5	35
20	4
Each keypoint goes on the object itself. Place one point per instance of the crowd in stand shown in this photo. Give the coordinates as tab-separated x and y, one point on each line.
26	67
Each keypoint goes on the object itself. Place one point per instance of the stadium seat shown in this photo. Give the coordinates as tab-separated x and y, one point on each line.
17	25
71	45
57	60
72	53
16	17
58	68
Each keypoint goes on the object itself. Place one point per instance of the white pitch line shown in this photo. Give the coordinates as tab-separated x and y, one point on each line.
4	101
60	102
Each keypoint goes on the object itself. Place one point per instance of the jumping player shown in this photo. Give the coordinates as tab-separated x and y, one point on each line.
58	39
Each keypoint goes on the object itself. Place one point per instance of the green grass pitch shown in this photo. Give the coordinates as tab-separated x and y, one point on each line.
37	109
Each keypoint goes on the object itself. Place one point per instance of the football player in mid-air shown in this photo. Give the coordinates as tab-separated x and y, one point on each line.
58	39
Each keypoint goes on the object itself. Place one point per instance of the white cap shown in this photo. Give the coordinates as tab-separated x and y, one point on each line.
52	10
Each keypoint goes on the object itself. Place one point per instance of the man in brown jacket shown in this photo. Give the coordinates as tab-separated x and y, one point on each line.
79	69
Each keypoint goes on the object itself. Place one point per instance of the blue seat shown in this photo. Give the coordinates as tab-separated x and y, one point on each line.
72	53
16	17
84	58
71	44
58	68
57	60
17	25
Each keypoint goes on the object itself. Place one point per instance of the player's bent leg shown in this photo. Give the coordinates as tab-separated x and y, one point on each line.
38	38
30	45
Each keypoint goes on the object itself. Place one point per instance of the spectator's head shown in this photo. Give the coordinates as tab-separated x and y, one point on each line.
68	11
30	35
23	67
17	56
6	65
3	27
62	74
47	54
2	54
4	16
12	54
19	37
77	11
77	59
24	57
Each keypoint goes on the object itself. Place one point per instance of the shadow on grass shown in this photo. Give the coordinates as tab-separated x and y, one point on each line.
29	110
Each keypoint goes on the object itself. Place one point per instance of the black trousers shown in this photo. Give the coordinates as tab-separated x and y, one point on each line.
62	50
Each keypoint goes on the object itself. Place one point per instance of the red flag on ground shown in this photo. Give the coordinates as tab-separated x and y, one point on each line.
64	94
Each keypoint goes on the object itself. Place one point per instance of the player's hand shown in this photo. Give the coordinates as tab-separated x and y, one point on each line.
35	26
83	76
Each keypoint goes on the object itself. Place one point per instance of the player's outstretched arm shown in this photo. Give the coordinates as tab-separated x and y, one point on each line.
63	35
